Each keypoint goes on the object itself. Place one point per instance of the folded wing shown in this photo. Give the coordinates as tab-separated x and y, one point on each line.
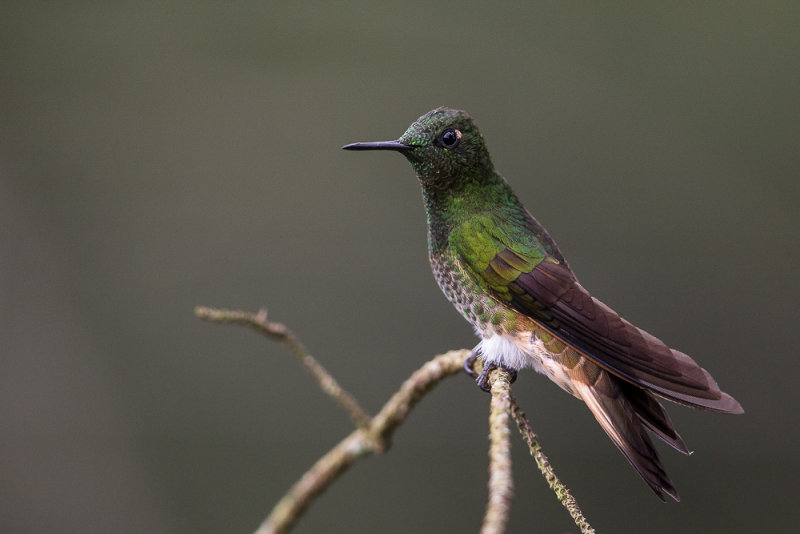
520	271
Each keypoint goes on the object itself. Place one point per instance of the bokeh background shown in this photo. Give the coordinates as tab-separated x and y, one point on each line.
156	156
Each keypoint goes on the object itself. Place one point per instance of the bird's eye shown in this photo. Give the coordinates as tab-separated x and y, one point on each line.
450	138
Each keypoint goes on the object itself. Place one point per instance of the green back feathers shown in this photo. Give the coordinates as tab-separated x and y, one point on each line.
496	252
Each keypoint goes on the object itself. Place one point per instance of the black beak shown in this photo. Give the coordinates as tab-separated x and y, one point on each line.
379	145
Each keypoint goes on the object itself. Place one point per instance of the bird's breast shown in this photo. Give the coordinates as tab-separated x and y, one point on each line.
487	315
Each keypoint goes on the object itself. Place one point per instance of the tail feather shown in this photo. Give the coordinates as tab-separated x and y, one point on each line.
626	415
653	416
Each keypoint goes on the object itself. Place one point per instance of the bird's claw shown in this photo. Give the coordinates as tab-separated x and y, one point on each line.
470	362
483	379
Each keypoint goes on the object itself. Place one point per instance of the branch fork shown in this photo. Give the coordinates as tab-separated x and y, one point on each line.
373	434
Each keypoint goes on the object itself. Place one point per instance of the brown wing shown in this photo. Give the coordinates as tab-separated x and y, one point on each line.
551	296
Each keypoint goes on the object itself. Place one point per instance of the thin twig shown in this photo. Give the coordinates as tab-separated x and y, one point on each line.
501	483
376	438
279	332
561	491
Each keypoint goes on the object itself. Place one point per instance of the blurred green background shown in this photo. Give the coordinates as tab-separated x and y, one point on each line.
155	156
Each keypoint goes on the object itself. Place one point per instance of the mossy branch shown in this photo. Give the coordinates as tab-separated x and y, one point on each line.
279	332
374	434
561	491
375	438
501	483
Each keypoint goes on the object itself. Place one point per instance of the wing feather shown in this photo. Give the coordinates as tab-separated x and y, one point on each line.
519	270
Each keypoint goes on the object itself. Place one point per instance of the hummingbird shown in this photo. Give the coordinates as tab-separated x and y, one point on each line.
505	275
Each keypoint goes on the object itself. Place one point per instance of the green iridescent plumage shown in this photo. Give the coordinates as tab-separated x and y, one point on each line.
480	241
506	276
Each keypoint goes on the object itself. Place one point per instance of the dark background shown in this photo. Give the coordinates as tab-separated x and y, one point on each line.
157	156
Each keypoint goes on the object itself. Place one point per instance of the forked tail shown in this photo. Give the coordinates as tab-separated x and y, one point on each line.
626	413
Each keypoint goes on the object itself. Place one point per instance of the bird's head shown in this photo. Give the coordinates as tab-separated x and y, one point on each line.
443	146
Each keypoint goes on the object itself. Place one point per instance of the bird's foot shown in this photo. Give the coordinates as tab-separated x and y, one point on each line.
483	379
470	362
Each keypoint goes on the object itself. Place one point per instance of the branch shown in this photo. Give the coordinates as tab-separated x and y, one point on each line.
376	438
279	332
374	435
561	491
501	483
321	475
